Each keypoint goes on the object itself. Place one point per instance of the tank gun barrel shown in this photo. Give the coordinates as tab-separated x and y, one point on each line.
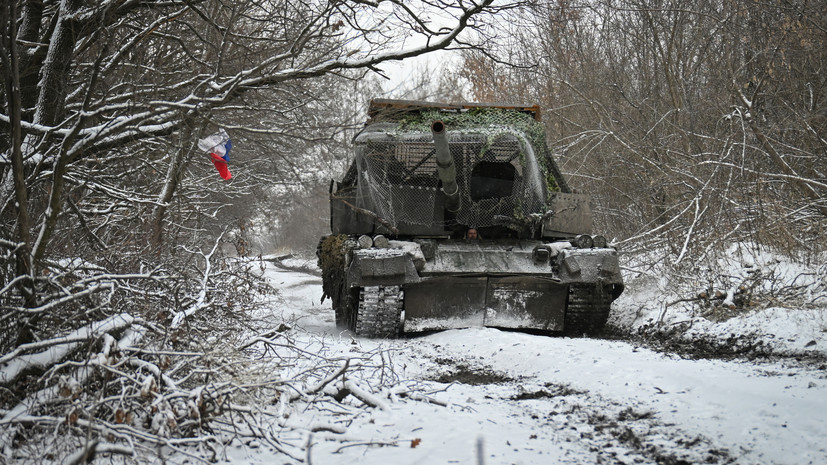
445	167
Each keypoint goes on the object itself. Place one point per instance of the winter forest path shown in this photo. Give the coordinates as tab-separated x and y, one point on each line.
496	397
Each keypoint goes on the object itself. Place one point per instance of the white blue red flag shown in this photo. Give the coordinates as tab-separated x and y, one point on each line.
218	145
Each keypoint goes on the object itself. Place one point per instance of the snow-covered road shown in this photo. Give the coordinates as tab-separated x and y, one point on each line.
516	398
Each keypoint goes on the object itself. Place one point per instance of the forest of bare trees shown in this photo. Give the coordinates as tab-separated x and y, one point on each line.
115	276
696	125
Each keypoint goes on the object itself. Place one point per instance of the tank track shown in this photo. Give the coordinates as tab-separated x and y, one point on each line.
379	313
587	310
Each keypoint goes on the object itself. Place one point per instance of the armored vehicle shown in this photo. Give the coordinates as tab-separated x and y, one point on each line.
456	215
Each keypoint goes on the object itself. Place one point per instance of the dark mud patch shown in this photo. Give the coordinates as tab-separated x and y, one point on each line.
471	376
548	392
623	433
675	340
443	361
647	442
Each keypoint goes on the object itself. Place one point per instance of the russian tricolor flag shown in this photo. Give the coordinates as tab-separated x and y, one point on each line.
218	145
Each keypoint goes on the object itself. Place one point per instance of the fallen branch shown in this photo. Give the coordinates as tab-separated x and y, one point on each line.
365	396
13	364
322	384
93	449
420	398
80	375
367	444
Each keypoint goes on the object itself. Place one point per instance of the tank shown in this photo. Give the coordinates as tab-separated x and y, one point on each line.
456	215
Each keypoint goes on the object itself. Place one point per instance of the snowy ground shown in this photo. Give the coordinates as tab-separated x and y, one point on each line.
766	305
487	396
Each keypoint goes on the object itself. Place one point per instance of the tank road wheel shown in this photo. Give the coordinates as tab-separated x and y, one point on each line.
587	310
379	312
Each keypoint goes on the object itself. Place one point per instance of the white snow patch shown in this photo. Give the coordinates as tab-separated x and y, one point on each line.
752	413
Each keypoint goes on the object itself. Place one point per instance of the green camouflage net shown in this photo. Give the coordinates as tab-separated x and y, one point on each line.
504	170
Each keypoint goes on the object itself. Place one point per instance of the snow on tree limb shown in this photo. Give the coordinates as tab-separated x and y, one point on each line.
201	300
160	117
95	448
15	363
50	357
365	396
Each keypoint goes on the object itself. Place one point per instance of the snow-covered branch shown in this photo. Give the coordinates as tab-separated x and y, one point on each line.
15	363
201	300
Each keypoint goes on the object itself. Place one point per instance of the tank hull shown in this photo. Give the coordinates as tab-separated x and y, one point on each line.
431	284
519	302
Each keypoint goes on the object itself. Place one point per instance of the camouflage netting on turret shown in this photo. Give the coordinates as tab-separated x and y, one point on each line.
501	162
